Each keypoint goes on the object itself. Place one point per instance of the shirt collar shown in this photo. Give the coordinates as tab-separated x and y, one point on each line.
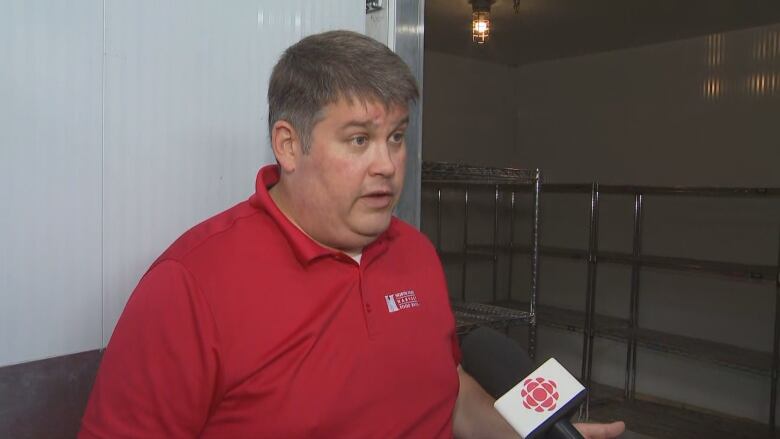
305	249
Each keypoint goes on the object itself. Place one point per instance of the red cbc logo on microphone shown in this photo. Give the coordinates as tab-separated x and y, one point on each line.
539	394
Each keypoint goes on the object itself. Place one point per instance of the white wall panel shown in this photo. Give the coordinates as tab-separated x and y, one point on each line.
185	116
50	154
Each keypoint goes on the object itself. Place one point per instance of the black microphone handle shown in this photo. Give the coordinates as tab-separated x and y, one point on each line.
563	430
498	363
495	361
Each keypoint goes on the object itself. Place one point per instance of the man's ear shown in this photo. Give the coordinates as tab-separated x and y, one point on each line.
286	144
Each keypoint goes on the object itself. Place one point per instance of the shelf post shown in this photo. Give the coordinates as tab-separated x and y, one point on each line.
495	245
511	245
438	219
535	248
775	354
590	296
636	267
465	243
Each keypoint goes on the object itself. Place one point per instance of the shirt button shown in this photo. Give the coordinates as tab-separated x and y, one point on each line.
368	308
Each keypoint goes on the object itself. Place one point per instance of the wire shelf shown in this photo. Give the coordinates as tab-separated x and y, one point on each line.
442	172
470	315
752	272
614	328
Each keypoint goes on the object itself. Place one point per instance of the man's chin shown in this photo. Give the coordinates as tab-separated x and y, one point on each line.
369	231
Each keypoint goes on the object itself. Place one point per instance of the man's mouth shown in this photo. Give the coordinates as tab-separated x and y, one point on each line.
379	199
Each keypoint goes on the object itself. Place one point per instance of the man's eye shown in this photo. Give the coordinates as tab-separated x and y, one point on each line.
360	140
397	137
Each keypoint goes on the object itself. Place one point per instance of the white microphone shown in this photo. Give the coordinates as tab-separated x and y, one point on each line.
541	404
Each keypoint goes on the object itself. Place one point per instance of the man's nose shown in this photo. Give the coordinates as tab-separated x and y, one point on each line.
383	162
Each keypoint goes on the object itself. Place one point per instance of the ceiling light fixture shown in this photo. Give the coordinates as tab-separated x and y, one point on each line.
480	20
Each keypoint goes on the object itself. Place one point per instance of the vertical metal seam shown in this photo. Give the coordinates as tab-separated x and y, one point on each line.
408	24
104	58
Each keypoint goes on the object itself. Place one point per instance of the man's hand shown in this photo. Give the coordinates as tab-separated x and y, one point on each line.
601	431
475	417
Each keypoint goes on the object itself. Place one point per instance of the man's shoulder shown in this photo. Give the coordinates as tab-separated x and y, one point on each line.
220	230
408	235
401	228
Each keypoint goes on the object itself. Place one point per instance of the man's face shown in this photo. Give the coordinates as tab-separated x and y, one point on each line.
345	188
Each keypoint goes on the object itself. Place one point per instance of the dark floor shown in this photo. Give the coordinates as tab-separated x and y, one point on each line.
645	419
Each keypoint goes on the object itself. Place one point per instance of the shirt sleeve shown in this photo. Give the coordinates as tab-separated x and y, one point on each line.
159	372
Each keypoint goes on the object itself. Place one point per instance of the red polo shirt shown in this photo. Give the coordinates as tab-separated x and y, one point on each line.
247	328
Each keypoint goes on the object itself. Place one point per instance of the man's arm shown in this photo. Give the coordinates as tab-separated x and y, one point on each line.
159	372
474	416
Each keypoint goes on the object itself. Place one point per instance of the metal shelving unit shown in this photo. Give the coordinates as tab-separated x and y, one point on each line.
628	330
757	362
617	329
504	181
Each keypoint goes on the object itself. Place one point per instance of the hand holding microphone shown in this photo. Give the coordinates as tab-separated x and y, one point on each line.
538	404
541	404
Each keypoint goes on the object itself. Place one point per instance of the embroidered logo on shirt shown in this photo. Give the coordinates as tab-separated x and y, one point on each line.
402	300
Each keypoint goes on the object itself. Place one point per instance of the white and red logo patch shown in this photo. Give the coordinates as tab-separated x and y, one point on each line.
539	394
403	300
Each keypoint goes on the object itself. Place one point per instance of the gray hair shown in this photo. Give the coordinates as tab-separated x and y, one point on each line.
320	69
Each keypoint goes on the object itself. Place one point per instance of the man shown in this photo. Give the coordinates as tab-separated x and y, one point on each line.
307	311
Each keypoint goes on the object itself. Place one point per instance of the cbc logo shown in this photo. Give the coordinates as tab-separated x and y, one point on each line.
539	394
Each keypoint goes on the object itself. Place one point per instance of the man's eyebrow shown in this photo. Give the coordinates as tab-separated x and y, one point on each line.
357	124
367	123
404	121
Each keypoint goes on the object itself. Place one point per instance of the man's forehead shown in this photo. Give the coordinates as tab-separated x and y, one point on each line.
366	110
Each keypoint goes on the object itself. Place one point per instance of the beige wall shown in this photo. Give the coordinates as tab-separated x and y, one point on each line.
636	116
653	116
642	116
468	111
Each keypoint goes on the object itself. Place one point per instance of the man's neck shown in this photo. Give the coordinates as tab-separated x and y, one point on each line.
280	196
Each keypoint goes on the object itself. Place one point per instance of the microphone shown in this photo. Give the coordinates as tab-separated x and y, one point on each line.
536	404
494	360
